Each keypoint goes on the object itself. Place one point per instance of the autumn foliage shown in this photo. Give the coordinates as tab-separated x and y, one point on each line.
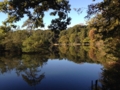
92	34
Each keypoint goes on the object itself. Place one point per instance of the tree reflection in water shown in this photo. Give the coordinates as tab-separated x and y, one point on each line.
110	78
28	66
32	73
32	78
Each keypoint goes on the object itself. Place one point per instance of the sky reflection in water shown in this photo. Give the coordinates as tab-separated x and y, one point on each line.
55	74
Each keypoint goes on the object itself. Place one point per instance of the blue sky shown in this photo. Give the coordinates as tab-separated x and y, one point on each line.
76	18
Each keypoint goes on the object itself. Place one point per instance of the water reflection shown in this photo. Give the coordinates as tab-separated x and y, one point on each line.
44	69
109	57
109	80
94	85
110	77
32	78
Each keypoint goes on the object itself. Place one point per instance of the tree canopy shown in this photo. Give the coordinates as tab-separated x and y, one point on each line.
107	17
35	9
106	12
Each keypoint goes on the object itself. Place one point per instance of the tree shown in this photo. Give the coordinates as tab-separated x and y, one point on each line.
35	9
72	38
108	16
5	29
32	44
63	39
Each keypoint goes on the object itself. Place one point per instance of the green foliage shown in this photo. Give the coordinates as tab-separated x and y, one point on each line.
2	35
37	40
107	20
73	35
4	29
13	40
33	40
72	38
87	39
63	39
106	25
35	10
32	44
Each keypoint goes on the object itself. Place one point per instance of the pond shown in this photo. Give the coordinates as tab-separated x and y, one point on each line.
51	71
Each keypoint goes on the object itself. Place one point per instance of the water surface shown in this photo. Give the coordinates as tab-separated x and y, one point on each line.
48	74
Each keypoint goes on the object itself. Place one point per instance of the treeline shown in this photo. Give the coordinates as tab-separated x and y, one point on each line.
35	40
25	41
74	35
